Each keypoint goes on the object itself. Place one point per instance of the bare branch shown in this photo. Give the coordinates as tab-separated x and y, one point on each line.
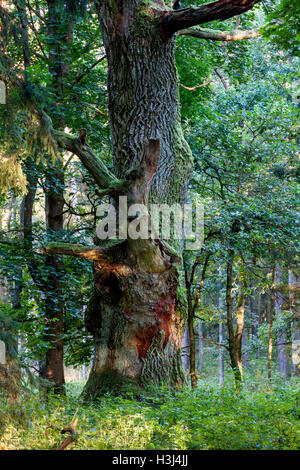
88	70
215	35
193	88
224	83
177	20
219	345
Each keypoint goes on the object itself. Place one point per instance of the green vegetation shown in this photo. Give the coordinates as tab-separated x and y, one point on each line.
264	416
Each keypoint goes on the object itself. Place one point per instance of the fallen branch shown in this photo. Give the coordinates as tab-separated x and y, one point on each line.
69	429
68	440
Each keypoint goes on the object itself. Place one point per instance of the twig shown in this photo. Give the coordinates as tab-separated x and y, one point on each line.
196	86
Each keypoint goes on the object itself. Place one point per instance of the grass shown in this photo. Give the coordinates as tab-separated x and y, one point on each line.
262	416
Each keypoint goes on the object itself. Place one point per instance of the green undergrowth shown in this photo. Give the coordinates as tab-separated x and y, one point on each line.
262	416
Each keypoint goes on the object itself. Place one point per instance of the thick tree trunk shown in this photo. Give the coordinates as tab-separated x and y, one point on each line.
135	318
135	314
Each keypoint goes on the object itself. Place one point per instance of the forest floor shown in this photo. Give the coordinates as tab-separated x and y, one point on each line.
263	415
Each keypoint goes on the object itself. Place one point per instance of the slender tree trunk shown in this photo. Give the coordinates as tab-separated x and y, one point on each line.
282	346
271	319
240	322
11	202
221	308
200	347
230	326
60	40
244	350
221	356
10	372
258	300
54	304
294	297
185	350
192	338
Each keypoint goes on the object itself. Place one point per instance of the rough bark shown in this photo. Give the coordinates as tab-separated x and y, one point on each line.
143	97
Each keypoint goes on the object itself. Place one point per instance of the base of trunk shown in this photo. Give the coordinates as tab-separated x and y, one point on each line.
136	319
114	383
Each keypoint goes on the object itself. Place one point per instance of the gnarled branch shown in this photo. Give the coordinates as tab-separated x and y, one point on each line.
99	171
176	20
93	253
